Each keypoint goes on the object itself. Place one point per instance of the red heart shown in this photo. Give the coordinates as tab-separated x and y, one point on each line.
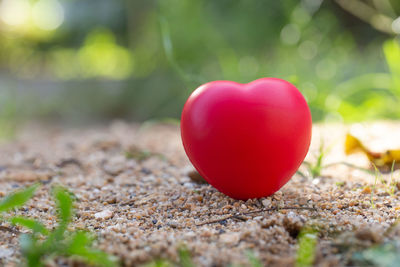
247	140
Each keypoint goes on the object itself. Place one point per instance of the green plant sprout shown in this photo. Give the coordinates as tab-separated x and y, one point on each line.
389	187
42	244
185	260
393	182
152	122
315	169
307	241
253	260
158	263
374	186
383	255
141	155
17	199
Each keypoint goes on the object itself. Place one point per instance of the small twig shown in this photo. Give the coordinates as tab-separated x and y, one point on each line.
129	202
240	216
8	229
69	161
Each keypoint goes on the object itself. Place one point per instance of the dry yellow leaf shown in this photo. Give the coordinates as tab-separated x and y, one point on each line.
383	161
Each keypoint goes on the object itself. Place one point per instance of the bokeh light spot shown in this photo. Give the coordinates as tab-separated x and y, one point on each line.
101	56
290	34
14	12
48	14
396	25
311	5
300	16
332	102
308	50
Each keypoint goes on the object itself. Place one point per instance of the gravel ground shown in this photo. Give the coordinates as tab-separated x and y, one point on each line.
134	191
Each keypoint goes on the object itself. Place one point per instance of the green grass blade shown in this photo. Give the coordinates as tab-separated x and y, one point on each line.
392	183
80	240
185	259
253	260
350	166
57	242
96	257
301	174
306	252
158	263
81	246
33	225
31	250
385	255
64	204
18	198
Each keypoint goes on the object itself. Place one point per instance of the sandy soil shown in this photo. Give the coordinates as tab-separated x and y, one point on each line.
143	206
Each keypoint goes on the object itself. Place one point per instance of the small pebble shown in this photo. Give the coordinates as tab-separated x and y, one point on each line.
229	238
104	215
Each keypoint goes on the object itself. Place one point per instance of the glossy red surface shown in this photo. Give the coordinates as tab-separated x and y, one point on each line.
247	140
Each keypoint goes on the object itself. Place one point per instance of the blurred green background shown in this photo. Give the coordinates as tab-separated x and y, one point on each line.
95	60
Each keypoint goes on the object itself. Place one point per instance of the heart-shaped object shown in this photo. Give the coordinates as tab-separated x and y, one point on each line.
247	140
